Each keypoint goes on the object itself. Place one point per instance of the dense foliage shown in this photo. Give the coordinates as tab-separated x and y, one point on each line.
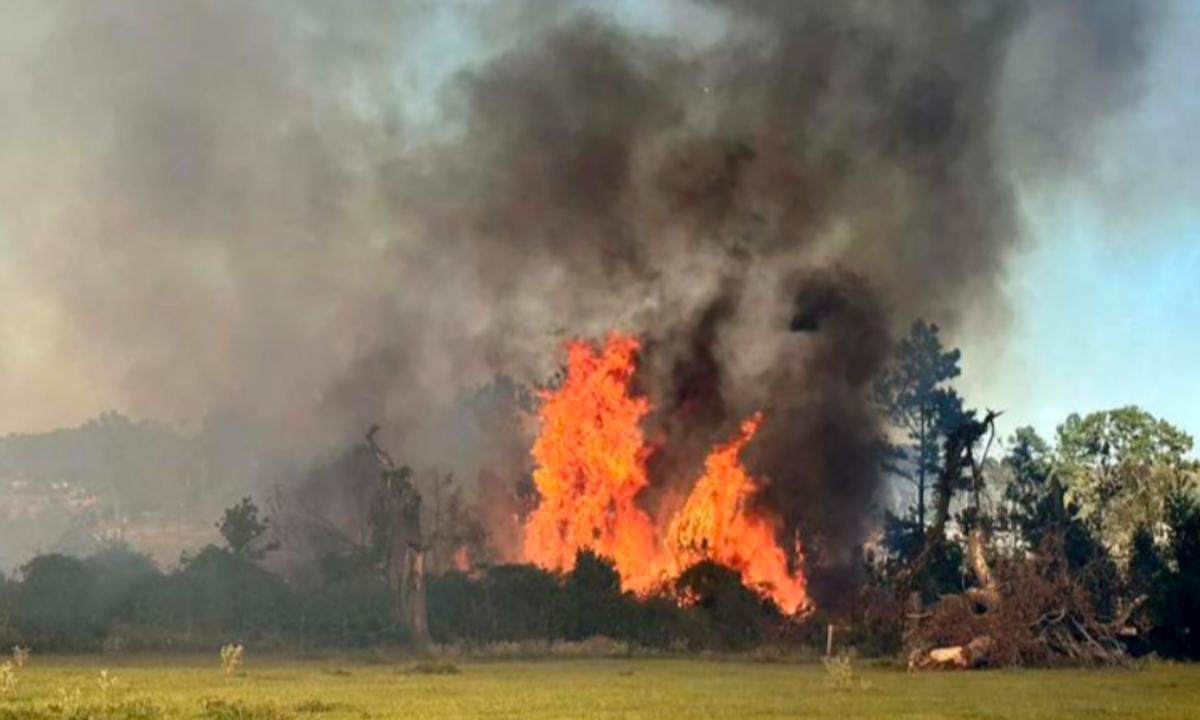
1099	527
118	600
1104	522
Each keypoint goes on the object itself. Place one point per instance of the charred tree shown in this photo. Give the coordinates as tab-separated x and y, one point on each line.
397	538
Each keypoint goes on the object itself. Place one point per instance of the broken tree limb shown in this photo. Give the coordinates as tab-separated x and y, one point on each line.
958	457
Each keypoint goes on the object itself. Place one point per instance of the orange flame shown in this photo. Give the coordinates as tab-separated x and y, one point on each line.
591	465
462	559
718	523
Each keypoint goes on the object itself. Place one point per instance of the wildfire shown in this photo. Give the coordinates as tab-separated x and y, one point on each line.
591	466
718	523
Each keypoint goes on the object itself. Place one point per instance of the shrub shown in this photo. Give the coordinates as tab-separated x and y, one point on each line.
223	592
20	656
108	684
70	702
125	583
733	616
52	604
8	680
232	657
591	602
841	675
350	604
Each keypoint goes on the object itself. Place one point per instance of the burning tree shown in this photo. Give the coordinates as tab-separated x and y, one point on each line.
591	466
718	523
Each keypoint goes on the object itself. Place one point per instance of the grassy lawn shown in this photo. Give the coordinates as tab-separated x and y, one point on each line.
643	688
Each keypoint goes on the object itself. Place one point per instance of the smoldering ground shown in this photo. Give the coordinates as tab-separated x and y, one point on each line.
329	218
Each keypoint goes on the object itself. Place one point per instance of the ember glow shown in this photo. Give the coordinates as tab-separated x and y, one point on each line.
591	466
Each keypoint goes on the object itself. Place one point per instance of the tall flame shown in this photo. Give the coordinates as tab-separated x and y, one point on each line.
718	523
591	465
591	457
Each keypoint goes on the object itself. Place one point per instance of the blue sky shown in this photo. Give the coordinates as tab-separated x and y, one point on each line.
1105	294
1097	322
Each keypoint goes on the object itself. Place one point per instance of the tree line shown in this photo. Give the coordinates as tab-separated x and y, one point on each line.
1042	547
1097	528
118	601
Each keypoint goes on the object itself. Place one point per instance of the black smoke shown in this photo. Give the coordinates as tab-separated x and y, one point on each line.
233	205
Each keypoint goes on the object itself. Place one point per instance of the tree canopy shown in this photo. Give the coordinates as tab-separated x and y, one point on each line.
1120	467
915	394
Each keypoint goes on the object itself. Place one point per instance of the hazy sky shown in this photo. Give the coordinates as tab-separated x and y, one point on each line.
1103	300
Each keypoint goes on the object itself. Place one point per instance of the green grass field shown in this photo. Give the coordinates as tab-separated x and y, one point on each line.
641	688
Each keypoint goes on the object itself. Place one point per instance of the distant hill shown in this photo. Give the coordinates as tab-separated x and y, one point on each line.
151	483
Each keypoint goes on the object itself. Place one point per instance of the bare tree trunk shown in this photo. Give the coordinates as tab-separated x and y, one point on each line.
406	575
406	548
414	596
959	456
977	540
921	478
986	593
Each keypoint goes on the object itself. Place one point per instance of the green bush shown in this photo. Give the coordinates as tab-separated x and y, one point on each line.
53	609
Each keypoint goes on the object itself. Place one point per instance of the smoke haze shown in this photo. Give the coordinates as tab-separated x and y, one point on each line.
329	217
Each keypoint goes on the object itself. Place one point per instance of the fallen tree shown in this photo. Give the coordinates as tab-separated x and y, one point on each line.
1042	615
1028	611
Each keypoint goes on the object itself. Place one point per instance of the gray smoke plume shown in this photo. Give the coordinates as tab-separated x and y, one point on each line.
307	213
